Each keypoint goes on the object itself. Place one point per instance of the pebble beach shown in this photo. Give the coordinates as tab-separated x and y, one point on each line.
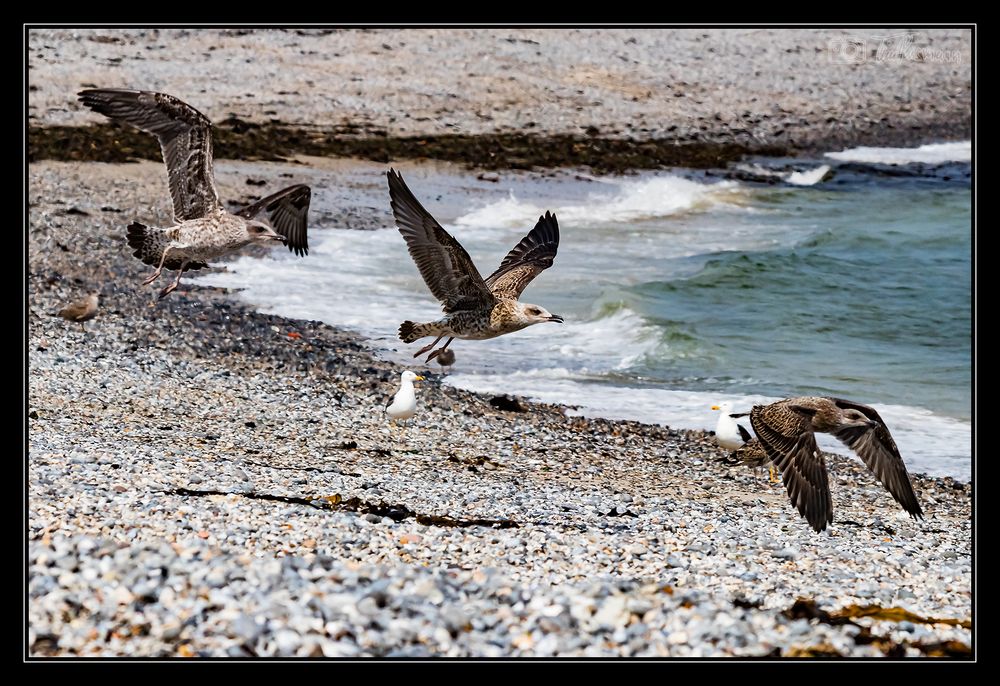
208	480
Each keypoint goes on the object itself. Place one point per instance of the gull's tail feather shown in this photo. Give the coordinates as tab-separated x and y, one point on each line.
411	331
148	244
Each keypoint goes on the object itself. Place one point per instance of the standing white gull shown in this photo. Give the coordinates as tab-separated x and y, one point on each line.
204	230
403	405
475	309
735	437
728	432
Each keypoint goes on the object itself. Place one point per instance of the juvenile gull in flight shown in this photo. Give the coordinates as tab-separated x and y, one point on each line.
475	308
81	310
786	431
204	230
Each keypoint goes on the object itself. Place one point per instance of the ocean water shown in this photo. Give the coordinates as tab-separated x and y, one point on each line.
848	275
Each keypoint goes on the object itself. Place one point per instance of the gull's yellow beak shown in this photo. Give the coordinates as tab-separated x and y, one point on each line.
419	378
716	407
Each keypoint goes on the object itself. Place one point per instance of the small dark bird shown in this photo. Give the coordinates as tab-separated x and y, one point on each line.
446	357
753	455
81	310
786	430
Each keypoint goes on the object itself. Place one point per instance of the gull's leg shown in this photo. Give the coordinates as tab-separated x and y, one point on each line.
428	347
440	350
772	473
155	275
177	282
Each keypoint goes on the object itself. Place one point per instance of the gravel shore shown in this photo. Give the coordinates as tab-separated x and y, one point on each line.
203	483
521	98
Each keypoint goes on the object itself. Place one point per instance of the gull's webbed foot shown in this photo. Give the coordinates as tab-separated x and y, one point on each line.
168	290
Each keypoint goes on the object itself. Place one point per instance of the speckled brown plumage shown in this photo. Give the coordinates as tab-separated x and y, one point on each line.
752	454
204	230
475	308
786	430
288	212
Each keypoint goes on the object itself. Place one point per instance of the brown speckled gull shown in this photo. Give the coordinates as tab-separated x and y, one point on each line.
475	308
204	230
786	431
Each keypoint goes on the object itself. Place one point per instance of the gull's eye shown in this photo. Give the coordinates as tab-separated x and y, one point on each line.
534	310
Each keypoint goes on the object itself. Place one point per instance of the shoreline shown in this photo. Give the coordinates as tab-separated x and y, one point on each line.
197	475
277	142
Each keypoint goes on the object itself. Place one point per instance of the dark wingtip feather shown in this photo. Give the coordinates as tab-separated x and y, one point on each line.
97	99
548	218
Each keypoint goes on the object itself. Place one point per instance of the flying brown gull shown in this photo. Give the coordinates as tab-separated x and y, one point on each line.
475	309
81	310
786	431
204	230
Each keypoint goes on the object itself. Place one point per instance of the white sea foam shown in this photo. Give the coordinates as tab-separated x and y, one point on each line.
932	153
632	200
810	177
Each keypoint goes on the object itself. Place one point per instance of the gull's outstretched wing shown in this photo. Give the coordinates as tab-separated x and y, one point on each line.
529	258
444	264
185	136
789	441
288	212
875	447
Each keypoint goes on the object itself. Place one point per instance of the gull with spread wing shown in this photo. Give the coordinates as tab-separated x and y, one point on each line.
204	230
475	308
786	433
